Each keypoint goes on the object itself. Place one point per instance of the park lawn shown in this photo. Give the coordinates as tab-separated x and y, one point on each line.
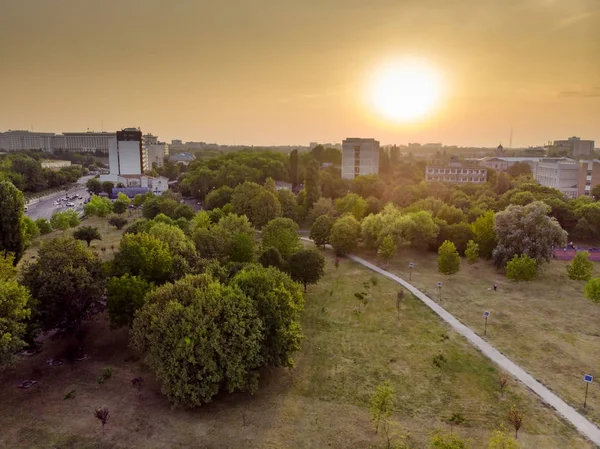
546	325
111	236
322	402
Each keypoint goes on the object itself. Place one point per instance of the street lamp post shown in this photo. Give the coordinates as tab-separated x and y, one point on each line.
439	286
411	265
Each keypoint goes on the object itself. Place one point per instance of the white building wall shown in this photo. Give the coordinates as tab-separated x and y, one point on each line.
359	157
130	162
563	176
156	154
113	156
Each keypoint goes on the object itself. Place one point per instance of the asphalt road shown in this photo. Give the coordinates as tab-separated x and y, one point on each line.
45	208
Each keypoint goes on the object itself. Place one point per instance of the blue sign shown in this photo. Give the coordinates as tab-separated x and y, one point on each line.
486	314
587	378
411	264
439	284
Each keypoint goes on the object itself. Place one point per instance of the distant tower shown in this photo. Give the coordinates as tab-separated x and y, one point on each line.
500	150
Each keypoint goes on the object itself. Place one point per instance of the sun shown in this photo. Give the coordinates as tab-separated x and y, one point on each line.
405	90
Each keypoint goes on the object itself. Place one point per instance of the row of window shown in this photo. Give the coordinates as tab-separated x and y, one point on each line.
454	171
455	179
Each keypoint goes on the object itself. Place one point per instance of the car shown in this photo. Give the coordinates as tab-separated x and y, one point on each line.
70	205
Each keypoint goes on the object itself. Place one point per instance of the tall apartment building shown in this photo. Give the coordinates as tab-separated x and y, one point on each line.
127	154
156	153
588	176
359	157
576	147
455	172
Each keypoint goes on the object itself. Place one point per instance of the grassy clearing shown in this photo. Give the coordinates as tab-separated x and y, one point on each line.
322	402
547	325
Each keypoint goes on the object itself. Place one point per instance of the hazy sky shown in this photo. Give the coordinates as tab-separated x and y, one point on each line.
294	71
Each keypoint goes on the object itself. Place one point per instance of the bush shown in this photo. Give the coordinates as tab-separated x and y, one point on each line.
592	290
117	222
472	252
307	266
581	268
321	229
271	257
448	258
521	268
345	234
43	226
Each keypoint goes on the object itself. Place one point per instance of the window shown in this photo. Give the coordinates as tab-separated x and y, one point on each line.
589	172
588	183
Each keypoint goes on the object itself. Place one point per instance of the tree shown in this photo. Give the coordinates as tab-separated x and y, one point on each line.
383	405
14	300
323	206
515	418
345	233
117	222
126	295
294	168
200	337
502	184
184	211
387	249
526	230
289	205
307	266
43	226
459	234
98	206
419	228
595	192
107	187
271	257
279	302
254	201
30	230
448	258
312	185
12	239
67	281
87	234
270	186
581	268
321	230
592	290
145	256
218	198
94	186
501	440
282	234
472	252
521	268
138	200
242	248
518	169
351	204
65	220
485	235
446	441
121	204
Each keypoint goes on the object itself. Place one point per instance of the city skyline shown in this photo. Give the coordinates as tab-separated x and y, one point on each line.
283	73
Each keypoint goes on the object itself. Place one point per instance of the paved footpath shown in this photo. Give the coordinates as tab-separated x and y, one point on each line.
566	411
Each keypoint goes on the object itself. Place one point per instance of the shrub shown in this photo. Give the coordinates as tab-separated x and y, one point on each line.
448	258
472	252
521	268
592	290
581	268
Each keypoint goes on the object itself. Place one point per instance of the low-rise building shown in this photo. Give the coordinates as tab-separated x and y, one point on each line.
502	163
182	158
575	147
455	172
133	183
282	185
561	174
55	165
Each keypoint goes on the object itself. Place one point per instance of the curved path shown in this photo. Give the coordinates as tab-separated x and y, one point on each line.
569	413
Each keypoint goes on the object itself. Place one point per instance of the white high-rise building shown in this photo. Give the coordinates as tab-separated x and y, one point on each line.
359	157
127	154
156	154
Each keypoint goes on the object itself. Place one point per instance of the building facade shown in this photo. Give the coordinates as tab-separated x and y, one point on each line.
127	154
359	157
455	173
25	140
576	147
156	154
561	174
53	164
83	142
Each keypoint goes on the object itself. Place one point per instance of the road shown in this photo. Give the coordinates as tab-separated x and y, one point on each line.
46	207
584	426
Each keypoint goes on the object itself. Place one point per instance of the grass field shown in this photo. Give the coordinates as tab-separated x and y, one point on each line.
547	325
322	402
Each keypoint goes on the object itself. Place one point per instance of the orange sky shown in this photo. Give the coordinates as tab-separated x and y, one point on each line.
290	71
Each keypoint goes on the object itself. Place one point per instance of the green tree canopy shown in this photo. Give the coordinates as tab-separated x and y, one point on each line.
14	311
67	281
200	337
87	234
64	220
282	234
388	248
12	238
43	226
94	185
144	255
345	233
592	290
351	204
271	257
307	266
485	234
581	268
521	268
126	295
98	206
321	230
117	222
218	198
